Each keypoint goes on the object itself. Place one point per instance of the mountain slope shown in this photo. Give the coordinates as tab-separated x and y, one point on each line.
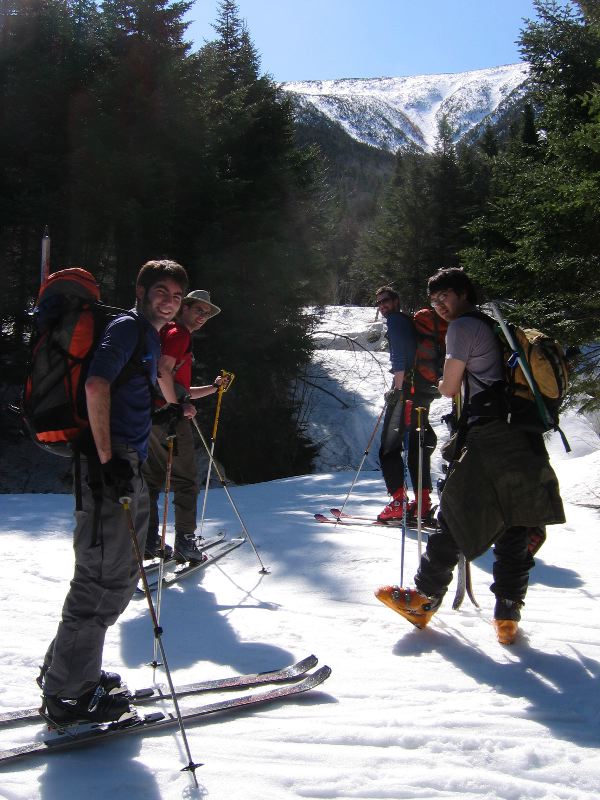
388	113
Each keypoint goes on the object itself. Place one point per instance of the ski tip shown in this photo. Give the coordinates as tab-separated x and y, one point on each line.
307	663
317	677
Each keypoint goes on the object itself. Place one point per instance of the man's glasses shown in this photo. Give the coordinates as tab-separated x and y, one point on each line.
382	300
441	298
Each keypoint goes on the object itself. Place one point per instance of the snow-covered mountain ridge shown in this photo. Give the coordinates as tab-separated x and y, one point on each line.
388	113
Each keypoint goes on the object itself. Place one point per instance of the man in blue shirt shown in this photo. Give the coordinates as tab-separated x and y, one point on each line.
119	395
402	343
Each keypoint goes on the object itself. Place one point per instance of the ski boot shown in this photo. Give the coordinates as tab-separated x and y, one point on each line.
507	614
152	551
108	680
394	511
186	549
409	603
94	706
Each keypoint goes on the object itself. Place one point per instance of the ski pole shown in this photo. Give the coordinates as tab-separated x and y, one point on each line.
222	389
263	569
161	567
407	415
191	766
420	411
365	454
45	266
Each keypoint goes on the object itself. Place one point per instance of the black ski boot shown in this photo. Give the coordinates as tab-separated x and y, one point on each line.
186	549
108	680
94	706
153	550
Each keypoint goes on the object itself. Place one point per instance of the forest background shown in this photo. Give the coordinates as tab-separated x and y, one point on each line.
129	146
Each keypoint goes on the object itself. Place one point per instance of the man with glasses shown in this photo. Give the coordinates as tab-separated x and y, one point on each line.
500	485
175	378
402	342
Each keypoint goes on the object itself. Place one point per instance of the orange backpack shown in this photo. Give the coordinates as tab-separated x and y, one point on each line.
431	352
70	320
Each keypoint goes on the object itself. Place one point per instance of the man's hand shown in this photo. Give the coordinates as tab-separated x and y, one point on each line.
188	410
117	474
392	396
222	381
168	415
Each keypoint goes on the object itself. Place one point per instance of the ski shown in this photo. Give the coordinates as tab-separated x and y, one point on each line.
170	563
347	522
470	593
463	584
153	693
216	553
93	734
425	526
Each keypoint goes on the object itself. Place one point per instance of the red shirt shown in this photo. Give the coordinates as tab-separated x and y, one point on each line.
176	342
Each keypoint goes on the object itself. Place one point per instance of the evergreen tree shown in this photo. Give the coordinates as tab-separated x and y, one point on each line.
129	148
538	244
396	251
421	226
43	70
257	248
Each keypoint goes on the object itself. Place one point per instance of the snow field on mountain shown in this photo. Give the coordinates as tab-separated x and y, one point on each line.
442	713
388	112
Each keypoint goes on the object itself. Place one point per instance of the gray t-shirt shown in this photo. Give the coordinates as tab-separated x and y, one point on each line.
471	340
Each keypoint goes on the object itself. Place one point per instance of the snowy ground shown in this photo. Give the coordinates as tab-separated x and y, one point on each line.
440	713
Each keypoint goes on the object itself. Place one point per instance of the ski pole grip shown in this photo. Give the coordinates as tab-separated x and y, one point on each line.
230	376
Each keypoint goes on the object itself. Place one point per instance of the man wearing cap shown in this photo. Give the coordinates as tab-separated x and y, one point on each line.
174	379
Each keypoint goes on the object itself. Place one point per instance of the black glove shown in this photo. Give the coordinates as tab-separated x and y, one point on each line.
392	396
117	474
168	416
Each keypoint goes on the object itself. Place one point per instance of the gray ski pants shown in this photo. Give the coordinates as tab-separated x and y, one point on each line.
106	574
184	478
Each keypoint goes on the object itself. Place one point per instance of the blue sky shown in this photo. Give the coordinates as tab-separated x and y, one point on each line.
312	39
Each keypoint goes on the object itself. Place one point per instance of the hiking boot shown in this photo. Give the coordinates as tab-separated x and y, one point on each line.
506	630
507	614
186	548
153	550
409	603
394	511
94	706
108	680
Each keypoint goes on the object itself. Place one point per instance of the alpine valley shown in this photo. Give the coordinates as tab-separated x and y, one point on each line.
389	113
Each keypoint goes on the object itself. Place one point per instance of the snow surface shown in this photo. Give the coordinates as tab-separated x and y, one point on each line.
388	112
442	713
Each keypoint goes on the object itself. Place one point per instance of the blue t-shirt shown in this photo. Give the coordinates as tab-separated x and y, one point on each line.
402	338
131	401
